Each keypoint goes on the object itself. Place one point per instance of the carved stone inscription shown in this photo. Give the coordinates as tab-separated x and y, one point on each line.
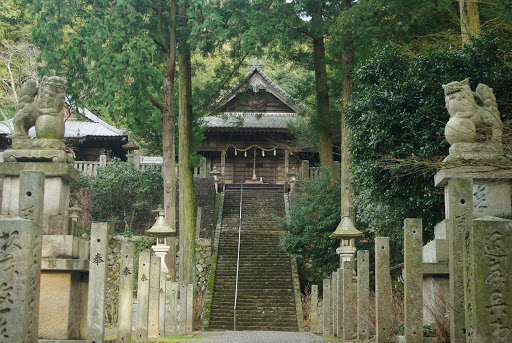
17	281
487	280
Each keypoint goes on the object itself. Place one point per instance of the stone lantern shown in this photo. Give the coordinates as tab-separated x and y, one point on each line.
292	176
216	173
161	230
347	233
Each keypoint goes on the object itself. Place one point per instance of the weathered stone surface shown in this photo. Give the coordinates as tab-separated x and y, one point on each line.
182	328
382	291
161	306
436	251
363	295
313	311
459	204
348	301
18	297
413	277
141	333
339	304
124	320
154	298
487	280
60	246
59	264
190	307
97	283
334	303
326	307
171	329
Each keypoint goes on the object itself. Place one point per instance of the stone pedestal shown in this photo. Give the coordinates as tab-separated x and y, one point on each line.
161	251
64	267
487	280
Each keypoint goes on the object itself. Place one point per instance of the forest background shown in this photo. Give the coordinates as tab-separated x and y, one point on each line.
378	64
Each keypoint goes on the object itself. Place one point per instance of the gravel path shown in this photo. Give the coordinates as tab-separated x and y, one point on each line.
260	337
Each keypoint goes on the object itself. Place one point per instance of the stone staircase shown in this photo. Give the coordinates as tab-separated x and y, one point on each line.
266	298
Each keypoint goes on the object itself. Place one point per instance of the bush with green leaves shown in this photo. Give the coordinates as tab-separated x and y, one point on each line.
124	194
398	112
314	216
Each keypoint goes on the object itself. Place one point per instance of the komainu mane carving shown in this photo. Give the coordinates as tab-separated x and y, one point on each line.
40	107
467	115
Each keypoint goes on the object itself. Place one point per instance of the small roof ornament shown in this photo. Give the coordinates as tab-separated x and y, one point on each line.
346	230
255	64
161	229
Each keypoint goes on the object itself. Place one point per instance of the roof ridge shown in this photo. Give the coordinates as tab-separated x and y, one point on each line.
93	117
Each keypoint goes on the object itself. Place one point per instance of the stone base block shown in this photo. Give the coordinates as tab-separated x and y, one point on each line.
440	230
59	225
25	155
401	339
60	246
63	305
436	291
435	251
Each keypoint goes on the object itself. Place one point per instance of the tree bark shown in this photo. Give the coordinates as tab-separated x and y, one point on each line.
347	88
469	20
186	181
169	156
322	94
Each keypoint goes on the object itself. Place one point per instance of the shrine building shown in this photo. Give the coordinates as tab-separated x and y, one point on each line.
247	135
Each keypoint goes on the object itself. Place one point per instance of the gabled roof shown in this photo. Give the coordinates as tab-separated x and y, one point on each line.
92	126
285	107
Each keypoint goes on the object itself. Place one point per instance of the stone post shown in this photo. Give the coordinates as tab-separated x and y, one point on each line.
327	307
413	276
487	280
305	169
339	304
124	321
172	299
20	263
97	283
190	307
161	306
459	198
198	221
363	295
334	303
313	312
154	298
348	301
382	291
141	333
183	309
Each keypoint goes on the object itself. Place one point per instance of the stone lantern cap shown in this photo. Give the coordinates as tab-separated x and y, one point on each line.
130	146
292	173
161	229
215	172
346	230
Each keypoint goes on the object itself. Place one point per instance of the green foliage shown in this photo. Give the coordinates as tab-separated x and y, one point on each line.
314	216
399	112
124	194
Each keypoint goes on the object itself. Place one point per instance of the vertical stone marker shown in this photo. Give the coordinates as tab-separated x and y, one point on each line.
488	280
20	263
413	274
124	321
141	332
313	312
382	291
154	298
348	301
190	308
334	303
172	299
327	307
161	306
363	295
97	283
459	196
339	306
183	309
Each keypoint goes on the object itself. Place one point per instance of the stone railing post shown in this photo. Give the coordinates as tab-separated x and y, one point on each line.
413	274
382	291
124	322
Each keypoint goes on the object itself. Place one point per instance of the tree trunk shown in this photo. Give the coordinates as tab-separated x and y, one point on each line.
469	20
186	181
169	156
347	88
322	97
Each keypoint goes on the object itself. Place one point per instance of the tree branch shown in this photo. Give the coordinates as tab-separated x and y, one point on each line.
157	103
